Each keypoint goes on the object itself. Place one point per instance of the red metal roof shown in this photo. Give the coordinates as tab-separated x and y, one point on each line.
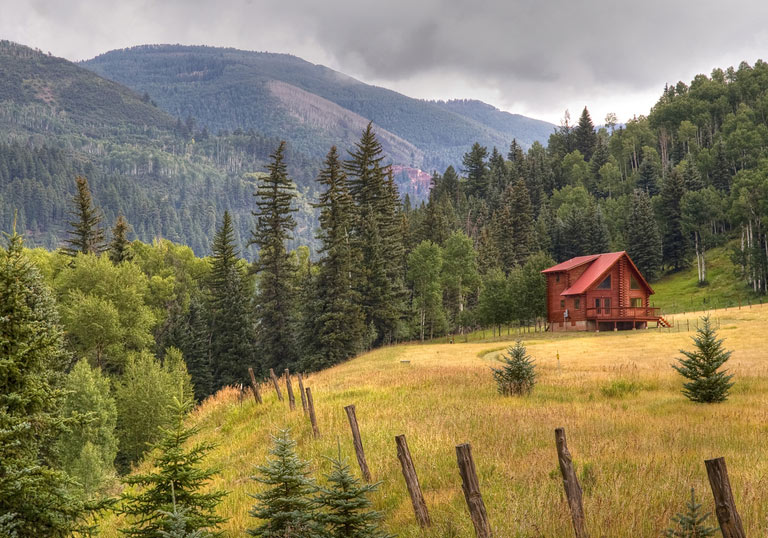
600	263
572	263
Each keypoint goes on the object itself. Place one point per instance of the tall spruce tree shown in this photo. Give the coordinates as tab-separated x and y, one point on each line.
378	237
276	293
721	173
477	171
648	177
120	247
86	233
673	242
585	137
642	236
230	312
35	497
286	507
338	324
517	234
175	484
345	509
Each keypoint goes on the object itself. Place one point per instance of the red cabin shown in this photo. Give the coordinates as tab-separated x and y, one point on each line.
597	293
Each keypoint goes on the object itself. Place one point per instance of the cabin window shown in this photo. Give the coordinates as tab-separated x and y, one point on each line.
607	305
605	284
557	277
636	302
633	283
577	303
562	303
597	305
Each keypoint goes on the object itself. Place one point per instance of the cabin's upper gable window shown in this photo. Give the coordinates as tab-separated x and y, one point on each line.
605	284
557	277
633	283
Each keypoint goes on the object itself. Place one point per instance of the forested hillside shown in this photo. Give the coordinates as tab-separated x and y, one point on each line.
169	178
228	89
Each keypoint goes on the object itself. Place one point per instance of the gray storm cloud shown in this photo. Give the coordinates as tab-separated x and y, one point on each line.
536	54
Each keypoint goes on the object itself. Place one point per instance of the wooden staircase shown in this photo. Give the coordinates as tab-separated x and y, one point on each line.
663	322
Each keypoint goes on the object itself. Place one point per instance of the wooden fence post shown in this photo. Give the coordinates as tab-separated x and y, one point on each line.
254	386
571	484
312	417
350	409
303	394
471	486
289	390
725	507
412	482
276	384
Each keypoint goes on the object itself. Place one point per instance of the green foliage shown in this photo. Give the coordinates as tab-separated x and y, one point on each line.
120	247
88	449
643	238
35	497
692	523
230	313
707	383
144	397
87	234
286	507
620	388
424	268
170	495
460	276
517	375
345	509
274	299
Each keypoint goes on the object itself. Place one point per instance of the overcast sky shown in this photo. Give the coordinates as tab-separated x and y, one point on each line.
533	57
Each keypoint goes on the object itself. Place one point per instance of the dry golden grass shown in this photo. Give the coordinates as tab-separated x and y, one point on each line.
638	452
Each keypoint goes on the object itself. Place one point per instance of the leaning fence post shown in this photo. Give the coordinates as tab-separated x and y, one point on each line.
254	386
571	484
725	507
276	384
471	486
312	417
350	409
303	394
289	390
412	482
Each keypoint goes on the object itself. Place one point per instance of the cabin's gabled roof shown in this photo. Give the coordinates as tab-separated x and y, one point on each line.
599	265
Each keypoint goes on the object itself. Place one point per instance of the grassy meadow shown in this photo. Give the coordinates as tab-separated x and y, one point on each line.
638	443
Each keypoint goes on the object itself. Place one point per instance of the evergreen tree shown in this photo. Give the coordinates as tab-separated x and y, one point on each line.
517	234
691	523
477	171
275	297
174	484
708	384
450	185
600	157
691	175
378	237
338	324
86	233
120	247
642	236
673	243
599	239
286	508
229	311
345	507
584	135
647	177
498	175
35	497
195	345
517	375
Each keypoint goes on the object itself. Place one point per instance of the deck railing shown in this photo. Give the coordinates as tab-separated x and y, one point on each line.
623	312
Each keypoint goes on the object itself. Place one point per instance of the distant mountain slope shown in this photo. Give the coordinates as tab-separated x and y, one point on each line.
170	180
232	89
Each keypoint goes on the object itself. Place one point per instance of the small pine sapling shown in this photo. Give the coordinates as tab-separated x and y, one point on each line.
345	507
517	374
691	523
286	508
708	384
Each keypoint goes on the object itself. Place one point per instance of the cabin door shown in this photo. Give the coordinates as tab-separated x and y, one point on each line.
603	306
